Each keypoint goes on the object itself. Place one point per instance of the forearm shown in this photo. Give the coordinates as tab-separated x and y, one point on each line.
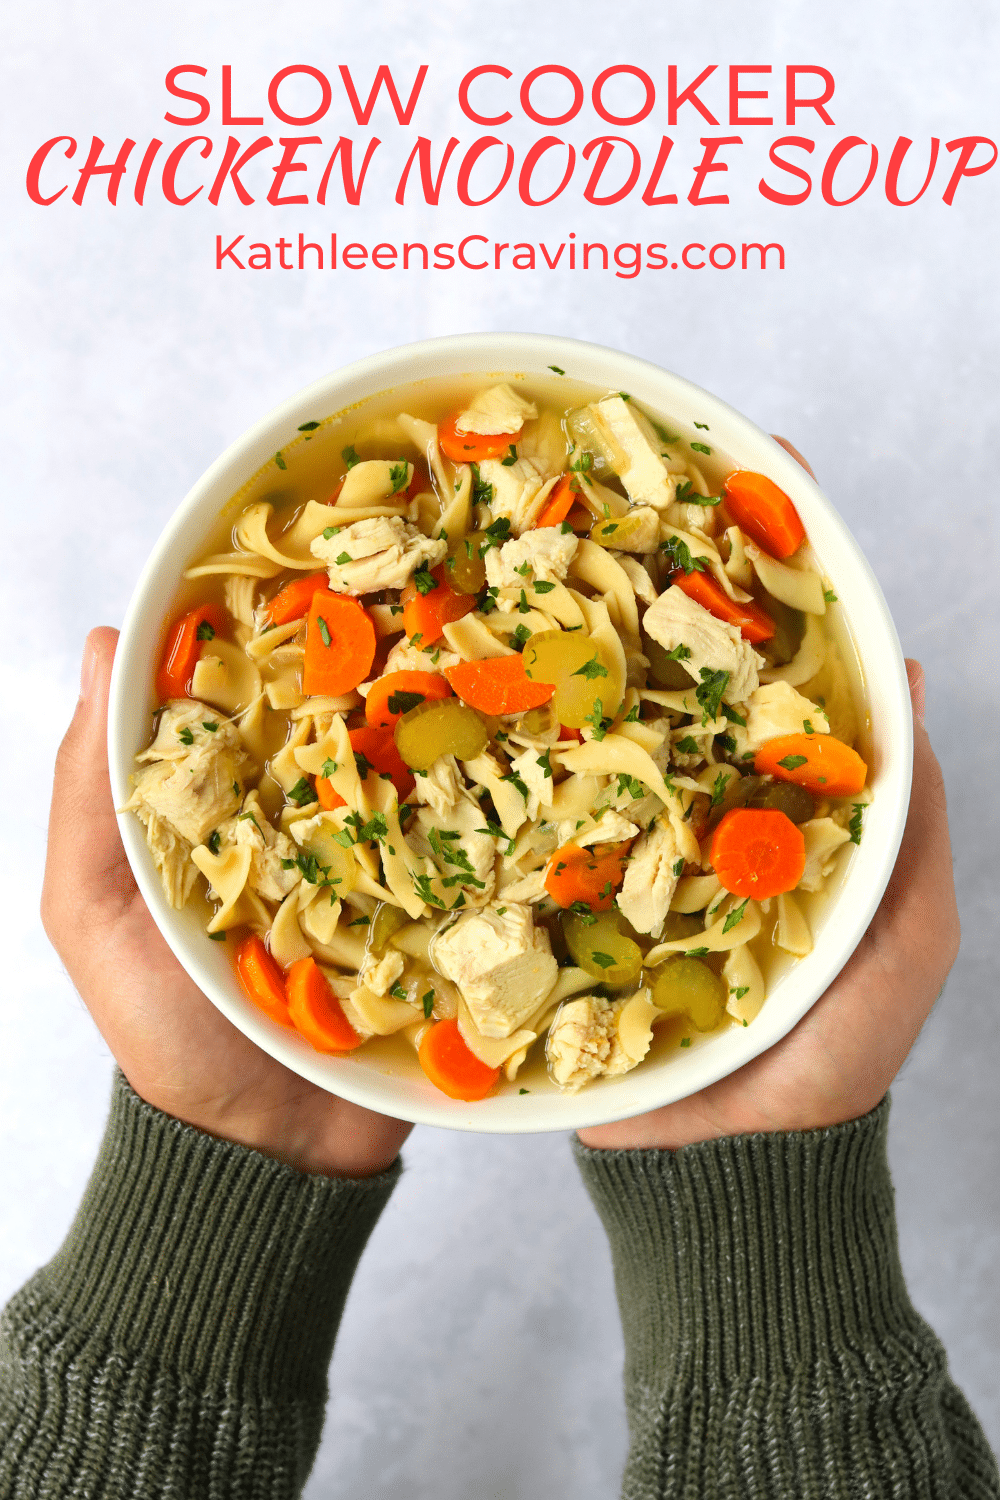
771	1346
178	1342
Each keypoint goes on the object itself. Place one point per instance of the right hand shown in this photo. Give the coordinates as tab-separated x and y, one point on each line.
176	1050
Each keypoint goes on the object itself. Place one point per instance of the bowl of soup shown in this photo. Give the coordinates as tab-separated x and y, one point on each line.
509	735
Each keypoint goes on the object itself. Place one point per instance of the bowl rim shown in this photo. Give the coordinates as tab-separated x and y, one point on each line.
514	355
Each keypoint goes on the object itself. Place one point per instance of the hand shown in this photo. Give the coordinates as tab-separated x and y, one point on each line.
176	1050
840	1059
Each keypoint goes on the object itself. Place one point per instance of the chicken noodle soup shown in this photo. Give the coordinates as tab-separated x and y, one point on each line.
508	723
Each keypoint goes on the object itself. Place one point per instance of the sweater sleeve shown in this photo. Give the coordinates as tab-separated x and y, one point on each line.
771	1349
177	1344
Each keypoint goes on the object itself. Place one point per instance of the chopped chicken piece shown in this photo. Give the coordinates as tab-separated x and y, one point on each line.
375	480
502	964
171	856
405	657
675	620
688	735
381	553
441	785
531	768
519	490
777	709
637	531
500	409
268	848
634	451
611	828
583	1043
650	878
544	553
462	852
193	783
380	974
638	577
528	889
823	838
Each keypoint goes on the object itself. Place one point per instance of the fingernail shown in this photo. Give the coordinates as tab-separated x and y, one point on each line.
88	668
915	677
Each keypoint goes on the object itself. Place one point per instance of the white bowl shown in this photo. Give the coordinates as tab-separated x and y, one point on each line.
660	1080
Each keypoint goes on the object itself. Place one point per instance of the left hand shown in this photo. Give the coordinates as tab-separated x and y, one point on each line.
176	1050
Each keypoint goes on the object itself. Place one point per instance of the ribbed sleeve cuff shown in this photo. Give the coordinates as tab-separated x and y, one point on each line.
206	1257
771	1345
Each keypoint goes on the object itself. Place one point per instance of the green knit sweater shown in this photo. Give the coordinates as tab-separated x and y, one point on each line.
177	1344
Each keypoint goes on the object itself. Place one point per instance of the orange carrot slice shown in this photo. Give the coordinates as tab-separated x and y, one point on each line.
292	602
328	798
753	622
823	765
426	615
451	1067
588	875
340	645
559	503
764	512
315	1010
394	695
379	748
183	647
262	980
472	447
758	852
498	686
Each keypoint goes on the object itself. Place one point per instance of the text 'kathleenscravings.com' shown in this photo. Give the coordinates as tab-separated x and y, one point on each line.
477	252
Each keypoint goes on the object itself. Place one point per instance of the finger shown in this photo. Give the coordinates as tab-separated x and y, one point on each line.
82	819
915	677
794	452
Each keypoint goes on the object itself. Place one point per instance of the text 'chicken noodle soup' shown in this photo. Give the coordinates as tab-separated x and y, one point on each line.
500	713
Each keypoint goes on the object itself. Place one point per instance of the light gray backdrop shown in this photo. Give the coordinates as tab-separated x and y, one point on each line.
480	1353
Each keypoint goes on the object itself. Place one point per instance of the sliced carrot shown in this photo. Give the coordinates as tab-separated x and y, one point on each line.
426	615
315	1010
823	765
262	980
379	748
340	645
758	852
570	734
588	875
753	622
180	654
559	503
451	1067
764	512
395	694
292	602
498	686
329	799
472	447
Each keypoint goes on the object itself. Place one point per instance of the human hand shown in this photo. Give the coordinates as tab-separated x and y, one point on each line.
176	1050
840	1059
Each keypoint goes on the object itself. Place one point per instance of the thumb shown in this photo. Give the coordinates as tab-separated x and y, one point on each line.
85	860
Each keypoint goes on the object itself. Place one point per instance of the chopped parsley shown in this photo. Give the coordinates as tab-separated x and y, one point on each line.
829	596
689	745
632	717
630	784
663	435
728	743
345	557
807	726
607	530
679	556
543	761
719	786
248	817
678	866
685	1041
590	670
790	762
350	456
482	492
687	495
301	793
679	653
496	832
702	425
511	458
854	826
324	630
185	736
205	632
427	1001
523	607
279	459
522	635
595	719
214	841
625	395
210	725
565	528
524	569
362	763
701	448
710	690
603	959
329	769
557	371
698	952
360	922
217	937
424	579
738	991
735	917
513	777
401	702
542	586
308	427
329	531
399	476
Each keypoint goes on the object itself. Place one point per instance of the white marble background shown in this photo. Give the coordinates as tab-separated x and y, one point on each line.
480	1353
